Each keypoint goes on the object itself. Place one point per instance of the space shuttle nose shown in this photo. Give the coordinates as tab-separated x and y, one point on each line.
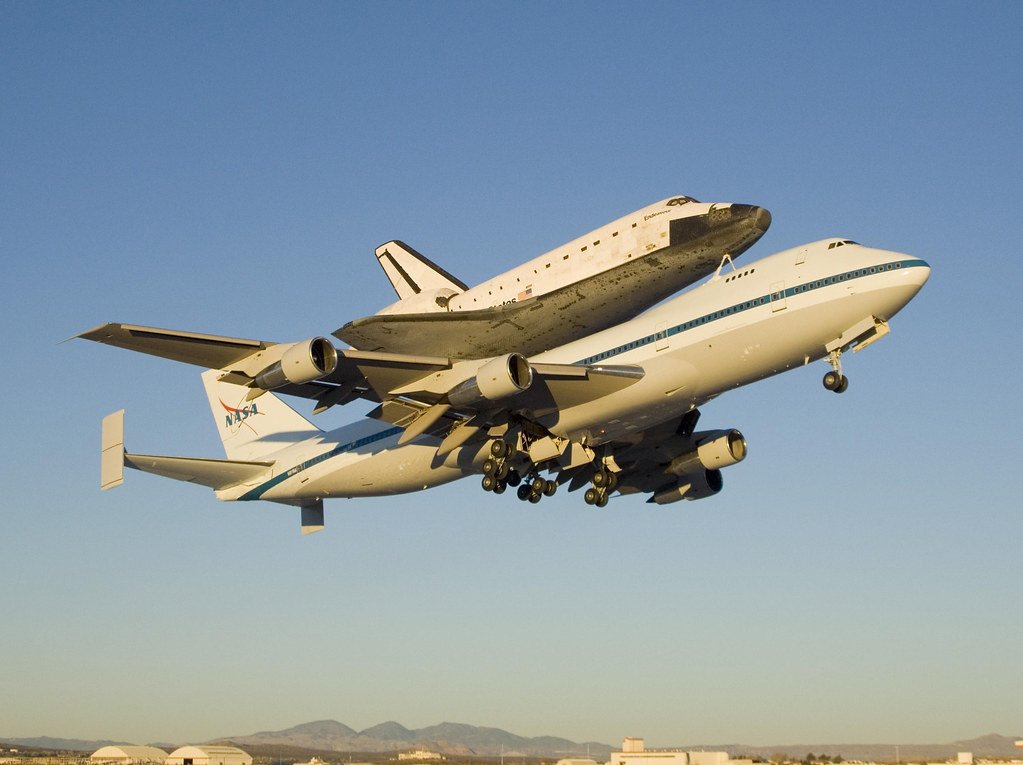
733	227
760	216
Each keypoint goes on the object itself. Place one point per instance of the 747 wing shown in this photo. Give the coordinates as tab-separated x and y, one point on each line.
454	399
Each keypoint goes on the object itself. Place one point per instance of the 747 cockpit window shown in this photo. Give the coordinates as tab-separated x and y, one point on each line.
833	245
680	201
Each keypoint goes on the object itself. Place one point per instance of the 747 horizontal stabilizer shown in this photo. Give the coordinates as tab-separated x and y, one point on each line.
217	474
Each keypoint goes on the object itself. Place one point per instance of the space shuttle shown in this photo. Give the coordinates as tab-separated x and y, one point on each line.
593	282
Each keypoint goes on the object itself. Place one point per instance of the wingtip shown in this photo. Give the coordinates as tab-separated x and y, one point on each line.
92	334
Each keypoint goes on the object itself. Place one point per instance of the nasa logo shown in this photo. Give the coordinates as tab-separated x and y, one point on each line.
236	415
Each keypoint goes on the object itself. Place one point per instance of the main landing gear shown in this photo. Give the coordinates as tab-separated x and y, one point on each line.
835	380
604	482
535	489
498	475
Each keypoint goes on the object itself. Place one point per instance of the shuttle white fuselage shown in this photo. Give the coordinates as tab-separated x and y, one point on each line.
595	281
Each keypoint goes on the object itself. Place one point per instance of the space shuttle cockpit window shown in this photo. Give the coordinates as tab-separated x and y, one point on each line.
680	201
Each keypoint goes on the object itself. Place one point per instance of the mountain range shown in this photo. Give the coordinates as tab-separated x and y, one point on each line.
448	738
460	740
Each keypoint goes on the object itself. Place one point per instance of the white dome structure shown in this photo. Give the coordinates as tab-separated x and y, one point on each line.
128	755
208	755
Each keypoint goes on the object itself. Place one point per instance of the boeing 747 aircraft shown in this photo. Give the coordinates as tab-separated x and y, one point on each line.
593	282
615	411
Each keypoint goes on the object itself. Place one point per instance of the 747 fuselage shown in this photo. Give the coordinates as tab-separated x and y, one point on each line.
777	313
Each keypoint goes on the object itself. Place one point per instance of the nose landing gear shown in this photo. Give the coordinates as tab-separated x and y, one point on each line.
834	380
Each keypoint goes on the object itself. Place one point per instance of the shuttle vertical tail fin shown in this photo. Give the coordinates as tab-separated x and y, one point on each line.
411	273
251	430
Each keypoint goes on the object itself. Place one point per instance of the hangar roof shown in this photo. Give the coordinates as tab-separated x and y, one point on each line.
214	755
127	753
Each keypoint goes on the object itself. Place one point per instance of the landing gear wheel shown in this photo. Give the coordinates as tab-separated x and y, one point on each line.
501	486
601	501
523	492
499	449
534	497
502	471
490	466
591	496
601	478
612	482
489	483
832	380
843	386
549	487
513	479
538	484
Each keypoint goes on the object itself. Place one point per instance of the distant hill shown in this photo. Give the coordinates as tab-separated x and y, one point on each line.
389	731
61	744
448	738
321	735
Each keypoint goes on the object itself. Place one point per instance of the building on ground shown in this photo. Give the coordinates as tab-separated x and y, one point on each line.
208	755
419	755
634	752
128	755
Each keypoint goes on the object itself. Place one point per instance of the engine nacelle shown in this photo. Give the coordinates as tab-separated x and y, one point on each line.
699	485
301	363
714	450
498	379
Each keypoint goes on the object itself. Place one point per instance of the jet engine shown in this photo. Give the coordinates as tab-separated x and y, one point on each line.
498	379
699	468
301	363
705	483
714	450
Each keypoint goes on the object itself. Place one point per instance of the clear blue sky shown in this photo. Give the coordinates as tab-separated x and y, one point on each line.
230	167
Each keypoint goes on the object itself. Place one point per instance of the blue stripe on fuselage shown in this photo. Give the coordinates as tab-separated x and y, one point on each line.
259	491
746	305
